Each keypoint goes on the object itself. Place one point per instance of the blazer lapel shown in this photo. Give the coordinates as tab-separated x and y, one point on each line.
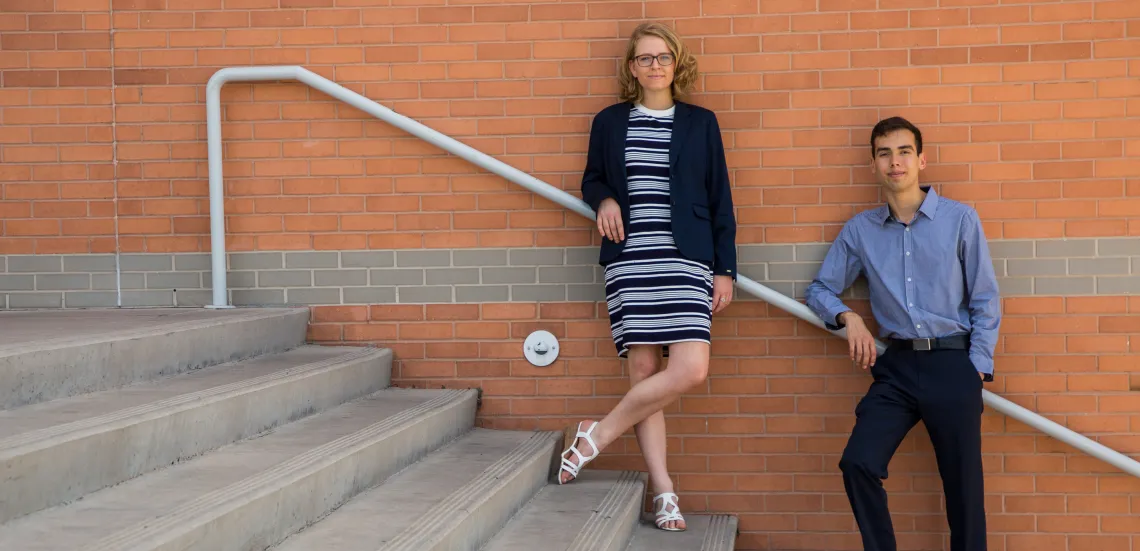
680	129
617	149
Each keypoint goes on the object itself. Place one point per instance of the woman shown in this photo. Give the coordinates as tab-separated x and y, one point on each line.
656	177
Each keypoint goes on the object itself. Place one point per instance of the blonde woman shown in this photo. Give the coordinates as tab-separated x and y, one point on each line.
656	177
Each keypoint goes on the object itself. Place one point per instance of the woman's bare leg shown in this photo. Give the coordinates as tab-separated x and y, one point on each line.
644	361
688	366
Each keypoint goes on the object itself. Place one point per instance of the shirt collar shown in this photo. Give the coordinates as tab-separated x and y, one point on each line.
928	208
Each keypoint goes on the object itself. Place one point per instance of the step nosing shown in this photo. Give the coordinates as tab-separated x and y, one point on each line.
600	521
716	534
269	479
413	537
11	446
129	334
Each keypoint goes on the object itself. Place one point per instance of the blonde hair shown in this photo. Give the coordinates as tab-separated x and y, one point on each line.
684	62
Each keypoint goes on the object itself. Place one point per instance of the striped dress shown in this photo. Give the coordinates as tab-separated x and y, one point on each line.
655	296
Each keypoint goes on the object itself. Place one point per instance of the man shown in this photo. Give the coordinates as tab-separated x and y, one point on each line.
935	299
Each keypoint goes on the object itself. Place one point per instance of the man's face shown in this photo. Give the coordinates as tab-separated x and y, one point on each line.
896	161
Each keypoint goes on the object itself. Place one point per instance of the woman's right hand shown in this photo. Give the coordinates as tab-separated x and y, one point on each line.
609	220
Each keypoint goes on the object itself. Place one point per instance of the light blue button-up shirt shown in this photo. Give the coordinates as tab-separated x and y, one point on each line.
930	278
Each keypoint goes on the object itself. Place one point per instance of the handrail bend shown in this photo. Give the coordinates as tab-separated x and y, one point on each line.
482	160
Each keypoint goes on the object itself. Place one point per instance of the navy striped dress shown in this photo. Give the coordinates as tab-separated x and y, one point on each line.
655	296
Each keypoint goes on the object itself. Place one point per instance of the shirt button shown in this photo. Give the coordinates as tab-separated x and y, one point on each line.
908	253
908	229
908	279
910	304
919	326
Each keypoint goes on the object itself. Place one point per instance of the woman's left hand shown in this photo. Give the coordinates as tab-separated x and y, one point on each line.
722	293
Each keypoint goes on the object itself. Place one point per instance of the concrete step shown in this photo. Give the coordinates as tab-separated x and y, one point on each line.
253	494
46	355
597	512
456	498
63	449
703	533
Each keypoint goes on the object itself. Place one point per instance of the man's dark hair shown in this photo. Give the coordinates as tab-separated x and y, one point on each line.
888	125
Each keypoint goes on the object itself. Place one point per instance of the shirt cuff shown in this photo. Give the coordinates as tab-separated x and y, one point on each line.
832	320
983	365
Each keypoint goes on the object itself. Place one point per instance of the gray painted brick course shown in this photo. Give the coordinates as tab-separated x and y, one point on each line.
812	252
566	274
40	300
592	293
395	276
482	293
1118	285
340	278
285	278
148	298
510	275
91	299
63	282
369	295
452	276
89	263
1098	266
256	261
1119	246
258	297
174	280
1015	286
584	256
765	253
1067	248
1036	266
106	282
1136	265
1011	249
792	272
480	257
423	259
4	268
1064	285
35	264
537	293
17	282
415	294
145	263
312	296
537	257
312	260
234	280
191	262
367	259
193	298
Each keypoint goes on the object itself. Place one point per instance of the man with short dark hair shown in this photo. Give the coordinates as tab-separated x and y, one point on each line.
935	299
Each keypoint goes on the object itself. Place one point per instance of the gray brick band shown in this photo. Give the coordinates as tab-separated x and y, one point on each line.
1107	266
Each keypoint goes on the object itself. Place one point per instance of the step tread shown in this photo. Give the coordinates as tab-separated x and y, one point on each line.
560	518
149	497
383	513
30	330
84	408
704	533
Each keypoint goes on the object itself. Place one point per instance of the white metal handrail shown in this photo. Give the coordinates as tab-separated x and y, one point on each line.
482	160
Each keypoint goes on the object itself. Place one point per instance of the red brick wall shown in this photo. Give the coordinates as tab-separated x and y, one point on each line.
1031	112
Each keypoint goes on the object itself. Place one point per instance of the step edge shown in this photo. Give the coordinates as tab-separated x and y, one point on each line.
167	528
721	533
16	445
435	525
612	523
253	315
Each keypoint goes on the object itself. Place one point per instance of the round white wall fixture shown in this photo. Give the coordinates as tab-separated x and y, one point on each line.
541	348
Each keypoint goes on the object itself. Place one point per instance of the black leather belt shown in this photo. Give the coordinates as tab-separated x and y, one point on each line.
954	342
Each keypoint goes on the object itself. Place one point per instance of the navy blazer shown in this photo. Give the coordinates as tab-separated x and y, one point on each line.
704	226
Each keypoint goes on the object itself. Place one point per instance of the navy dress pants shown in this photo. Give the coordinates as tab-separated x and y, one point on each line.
943	390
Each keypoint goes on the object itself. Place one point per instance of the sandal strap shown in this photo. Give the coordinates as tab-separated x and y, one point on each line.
663	514
570	466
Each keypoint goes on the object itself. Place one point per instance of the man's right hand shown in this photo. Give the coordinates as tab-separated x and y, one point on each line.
860	342
609	220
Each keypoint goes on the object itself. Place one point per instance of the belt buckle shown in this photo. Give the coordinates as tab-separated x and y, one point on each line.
922	344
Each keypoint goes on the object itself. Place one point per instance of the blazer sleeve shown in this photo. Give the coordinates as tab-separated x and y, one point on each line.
720	204
595	188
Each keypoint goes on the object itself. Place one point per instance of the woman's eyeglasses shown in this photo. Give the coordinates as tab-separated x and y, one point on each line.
647	60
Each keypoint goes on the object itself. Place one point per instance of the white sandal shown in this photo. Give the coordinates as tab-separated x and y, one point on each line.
663	515
569	466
